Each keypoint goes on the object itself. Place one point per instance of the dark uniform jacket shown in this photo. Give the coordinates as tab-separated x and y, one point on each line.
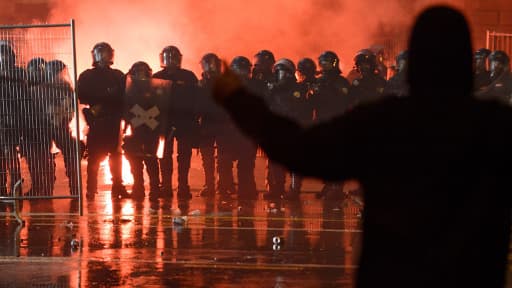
183	110
103	90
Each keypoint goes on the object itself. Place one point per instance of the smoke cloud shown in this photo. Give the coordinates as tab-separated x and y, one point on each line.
138	30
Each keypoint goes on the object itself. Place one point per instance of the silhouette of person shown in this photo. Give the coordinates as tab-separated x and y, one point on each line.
434	166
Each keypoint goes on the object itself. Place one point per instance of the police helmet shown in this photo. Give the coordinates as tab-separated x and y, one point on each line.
102	54
482	53
306	66
365	56
210	62
264	58
36	64
500	56
284	64
170	57
140	71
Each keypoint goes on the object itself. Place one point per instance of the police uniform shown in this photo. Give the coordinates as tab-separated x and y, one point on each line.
102	88
145	111
182	125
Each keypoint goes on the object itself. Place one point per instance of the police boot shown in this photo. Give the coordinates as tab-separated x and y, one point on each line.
154	188
119	191
138	191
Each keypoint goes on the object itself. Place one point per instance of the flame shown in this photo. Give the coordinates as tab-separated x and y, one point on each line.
127	174
160	150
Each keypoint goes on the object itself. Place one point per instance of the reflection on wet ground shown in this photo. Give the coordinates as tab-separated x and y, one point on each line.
220	242
216	242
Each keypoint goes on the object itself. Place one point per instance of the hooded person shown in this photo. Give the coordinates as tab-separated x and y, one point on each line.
424	223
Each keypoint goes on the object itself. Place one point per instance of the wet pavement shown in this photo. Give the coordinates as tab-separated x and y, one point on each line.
203	242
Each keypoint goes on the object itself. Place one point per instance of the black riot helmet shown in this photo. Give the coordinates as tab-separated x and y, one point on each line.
499	62
500	56
170	57
307	67
36	68
264	58
329	61
482	53
211	65
7	56
264	61
480	59
241	66
140	71
365	61
284	69
56	71
36	64
102	55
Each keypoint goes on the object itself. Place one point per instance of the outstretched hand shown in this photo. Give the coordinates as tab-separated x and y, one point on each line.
226	84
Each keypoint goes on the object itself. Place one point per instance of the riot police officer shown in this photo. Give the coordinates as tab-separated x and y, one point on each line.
397	85
49	112
380	67
59	109
145	112
355	73
370	86
12	90
37	131
287	98
500	87
213	120
331	93
235	146
331	98
306	72
482	76
102	88
183	121
263	63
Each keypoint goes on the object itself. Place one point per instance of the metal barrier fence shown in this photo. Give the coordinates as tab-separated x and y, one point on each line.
499	41
40	148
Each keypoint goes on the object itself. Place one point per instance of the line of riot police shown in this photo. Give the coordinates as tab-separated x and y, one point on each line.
173	104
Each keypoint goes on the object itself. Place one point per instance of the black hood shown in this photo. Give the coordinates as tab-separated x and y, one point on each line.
440	59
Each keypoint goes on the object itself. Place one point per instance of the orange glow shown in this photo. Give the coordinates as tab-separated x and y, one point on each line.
230	28
81	123
160	150
127	174
128	130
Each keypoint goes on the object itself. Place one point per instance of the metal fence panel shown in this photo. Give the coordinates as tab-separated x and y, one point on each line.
39	145
499	41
